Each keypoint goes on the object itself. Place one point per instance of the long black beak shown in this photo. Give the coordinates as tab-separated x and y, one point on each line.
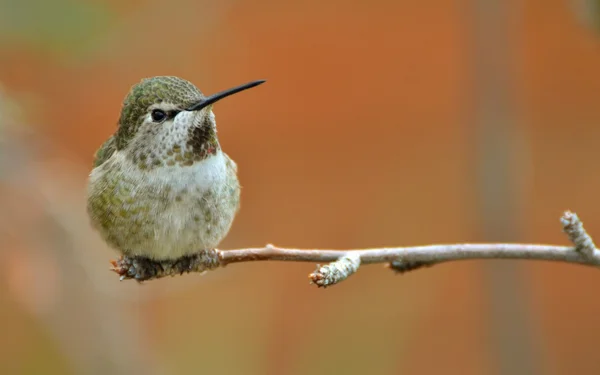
220	95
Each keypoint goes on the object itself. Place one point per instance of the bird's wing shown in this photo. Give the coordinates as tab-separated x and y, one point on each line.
105	152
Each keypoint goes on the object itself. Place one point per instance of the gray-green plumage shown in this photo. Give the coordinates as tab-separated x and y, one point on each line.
161	187
105	151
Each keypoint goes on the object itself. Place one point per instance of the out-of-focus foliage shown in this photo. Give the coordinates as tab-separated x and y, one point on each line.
64	27
588	11
9	112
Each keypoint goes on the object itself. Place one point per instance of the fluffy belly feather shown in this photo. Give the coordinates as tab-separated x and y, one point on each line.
167	212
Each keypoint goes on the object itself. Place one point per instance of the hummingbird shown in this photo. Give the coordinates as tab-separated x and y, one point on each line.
161	189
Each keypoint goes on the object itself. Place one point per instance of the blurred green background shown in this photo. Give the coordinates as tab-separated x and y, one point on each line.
383	123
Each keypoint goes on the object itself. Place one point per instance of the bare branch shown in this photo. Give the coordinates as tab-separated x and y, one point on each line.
423	254
400	259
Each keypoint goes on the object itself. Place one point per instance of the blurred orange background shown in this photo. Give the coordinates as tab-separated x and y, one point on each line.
383	123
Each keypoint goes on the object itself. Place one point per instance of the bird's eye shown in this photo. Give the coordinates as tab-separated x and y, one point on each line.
158	115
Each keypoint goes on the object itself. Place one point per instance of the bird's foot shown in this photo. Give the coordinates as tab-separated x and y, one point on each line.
142	268
138	268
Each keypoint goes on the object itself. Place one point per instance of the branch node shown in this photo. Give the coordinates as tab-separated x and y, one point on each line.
573	227
335	272
402	266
